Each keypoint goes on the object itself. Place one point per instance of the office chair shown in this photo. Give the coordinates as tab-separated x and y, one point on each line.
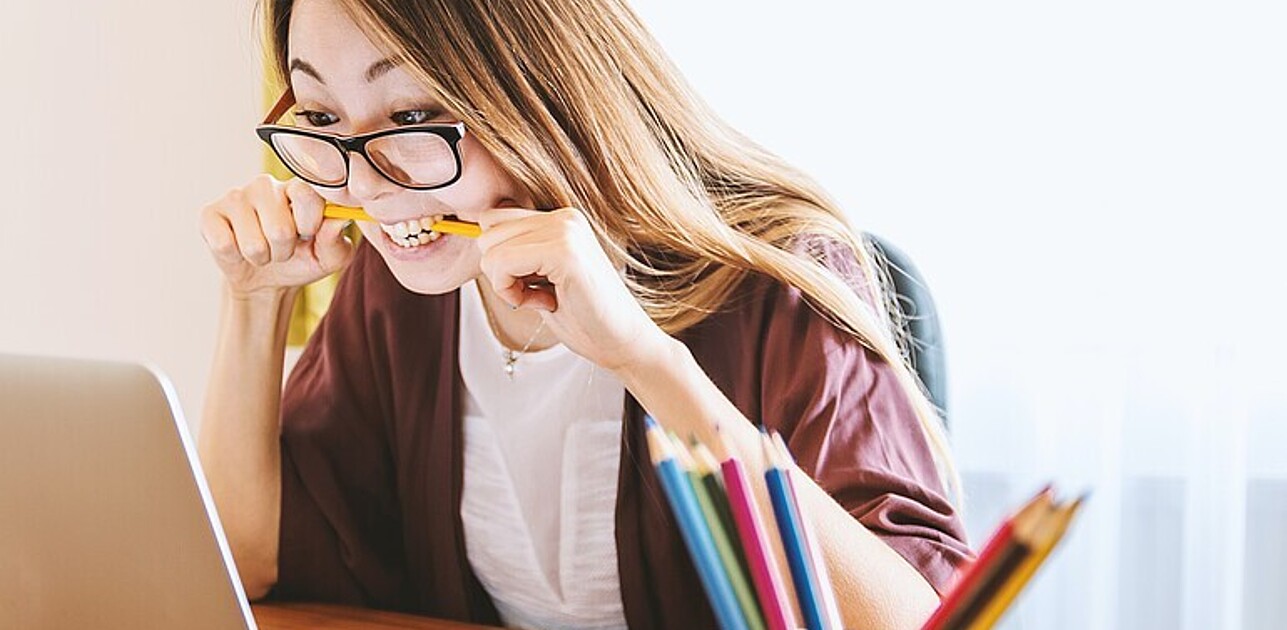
918	319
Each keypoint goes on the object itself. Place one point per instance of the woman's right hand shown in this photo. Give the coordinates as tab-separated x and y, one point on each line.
269	235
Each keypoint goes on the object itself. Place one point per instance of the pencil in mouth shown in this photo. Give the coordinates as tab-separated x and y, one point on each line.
412	232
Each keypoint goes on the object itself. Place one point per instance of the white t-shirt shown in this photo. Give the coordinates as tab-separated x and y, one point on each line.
542	453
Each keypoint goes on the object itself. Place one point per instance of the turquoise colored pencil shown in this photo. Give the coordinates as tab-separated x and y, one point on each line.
692	527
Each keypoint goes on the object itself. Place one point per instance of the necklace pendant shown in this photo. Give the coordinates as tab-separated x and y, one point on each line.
510	360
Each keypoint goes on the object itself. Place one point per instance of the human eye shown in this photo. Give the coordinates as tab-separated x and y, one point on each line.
414	116
316	118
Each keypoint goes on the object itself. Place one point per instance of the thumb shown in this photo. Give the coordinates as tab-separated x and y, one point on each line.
332	248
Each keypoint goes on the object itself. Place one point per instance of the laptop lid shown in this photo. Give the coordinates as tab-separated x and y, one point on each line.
105	517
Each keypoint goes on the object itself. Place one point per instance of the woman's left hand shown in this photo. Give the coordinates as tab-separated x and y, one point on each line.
588	305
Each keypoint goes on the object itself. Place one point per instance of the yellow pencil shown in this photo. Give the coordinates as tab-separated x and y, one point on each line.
460	228
1050	532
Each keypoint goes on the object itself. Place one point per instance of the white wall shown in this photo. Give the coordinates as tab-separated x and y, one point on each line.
1041	161
121	120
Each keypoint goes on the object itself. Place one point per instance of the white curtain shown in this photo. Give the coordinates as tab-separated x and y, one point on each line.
1183	448
1097	194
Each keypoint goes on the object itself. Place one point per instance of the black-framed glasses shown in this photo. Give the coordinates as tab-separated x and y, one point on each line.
419	157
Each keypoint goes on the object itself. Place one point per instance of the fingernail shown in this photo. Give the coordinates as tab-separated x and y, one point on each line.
305	237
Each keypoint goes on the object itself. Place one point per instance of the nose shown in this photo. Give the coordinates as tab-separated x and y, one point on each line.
365	183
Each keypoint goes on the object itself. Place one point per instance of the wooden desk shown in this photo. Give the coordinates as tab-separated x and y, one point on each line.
279	616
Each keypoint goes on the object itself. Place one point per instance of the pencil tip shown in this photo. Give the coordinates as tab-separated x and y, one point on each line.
766	444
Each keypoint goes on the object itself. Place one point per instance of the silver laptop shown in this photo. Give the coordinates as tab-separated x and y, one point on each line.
105	518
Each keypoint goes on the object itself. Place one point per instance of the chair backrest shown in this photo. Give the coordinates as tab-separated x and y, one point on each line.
919	319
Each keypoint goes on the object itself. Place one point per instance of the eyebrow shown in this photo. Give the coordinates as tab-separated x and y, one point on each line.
377	69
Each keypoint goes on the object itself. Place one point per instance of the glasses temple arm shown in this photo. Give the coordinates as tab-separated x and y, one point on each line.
284	103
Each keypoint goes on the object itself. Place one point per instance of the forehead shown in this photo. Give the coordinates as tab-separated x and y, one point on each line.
324	35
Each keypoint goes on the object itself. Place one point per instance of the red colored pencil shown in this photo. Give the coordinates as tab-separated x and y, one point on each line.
976	575
764	567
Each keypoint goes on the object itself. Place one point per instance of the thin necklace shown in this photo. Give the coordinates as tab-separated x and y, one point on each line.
510	356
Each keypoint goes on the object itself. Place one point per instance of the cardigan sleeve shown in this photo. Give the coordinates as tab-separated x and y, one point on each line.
340	535
852	428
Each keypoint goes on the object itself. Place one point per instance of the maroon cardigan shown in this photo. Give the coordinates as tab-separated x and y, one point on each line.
372	466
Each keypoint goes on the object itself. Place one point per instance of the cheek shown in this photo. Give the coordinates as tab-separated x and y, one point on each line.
482	183
370	231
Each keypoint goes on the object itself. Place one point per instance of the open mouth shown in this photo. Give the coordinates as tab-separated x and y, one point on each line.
416	232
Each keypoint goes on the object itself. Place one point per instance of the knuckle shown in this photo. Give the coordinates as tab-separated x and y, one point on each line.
263	181
236	196
218	244
572	216
254	251
279	235
296	186
575	224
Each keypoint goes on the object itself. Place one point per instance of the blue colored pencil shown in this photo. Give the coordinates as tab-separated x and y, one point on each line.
792	532
826	593
692	527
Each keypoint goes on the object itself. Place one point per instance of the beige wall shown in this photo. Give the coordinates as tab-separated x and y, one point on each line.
121	119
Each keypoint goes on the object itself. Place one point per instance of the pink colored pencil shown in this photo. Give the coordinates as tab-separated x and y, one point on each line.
764	568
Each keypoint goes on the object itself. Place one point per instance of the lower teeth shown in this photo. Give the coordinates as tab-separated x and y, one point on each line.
424	238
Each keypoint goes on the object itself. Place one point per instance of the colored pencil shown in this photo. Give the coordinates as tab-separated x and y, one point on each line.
961	603
696	535
460	228
789	528
707	469
755	546
827	594
1046	536
714	503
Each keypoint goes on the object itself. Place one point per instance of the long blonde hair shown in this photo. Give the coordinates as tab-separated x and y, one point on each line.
577	101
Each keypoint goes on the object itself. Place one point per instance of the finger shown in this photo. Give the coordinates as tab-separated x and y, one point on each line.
275	220
246	229
541	298
509	289
496	216
331	247
217	233
514	228
524	293
524	264
306	206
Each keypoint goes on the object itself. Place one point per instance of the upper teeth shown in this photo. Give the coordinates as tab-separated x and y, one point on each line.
410	232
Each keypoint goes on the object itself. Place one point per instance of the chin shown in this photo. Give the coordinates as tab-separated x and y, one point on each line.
432	269
425	284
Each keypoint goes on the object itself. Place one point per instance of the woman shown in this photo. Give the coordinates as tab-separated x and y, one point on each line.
462	436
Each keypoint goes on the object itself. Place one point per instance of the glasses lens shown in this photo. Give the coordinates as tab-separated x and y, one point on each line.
313	160
414	158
